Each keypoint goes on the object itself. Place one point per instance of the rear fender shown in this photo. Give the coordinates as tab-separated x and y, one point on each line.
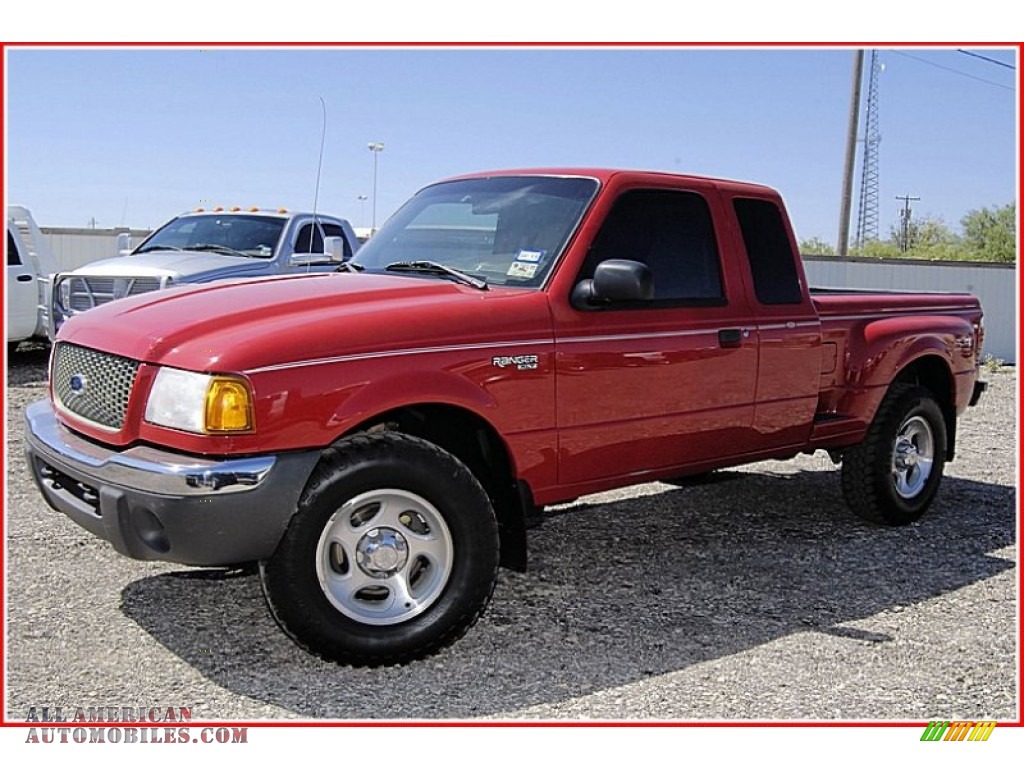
916	349
883	348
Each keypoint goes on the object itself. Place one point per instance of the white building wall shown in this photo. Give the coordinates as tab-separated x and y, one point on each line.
73	247
994	284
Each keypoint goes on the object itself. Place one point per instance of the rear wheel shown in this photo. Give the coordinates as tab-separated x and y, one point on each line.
893	475
392	554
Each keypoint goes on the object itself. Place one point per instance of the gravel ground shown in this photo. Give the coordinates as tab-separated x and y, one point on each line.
756	595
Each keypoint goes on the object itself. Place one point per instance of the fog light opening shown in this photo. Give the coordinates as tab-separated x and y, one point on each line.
150	530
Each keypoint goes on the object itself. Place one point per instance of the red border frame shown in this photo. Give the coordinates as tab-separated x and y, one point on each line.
4	723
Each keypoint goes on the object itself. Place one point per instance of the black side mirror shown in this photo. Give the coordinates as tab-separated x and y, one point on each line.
615	281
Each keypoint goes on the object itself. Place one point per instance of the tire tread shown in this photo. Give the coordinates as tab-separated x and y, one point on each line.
287	612
860	472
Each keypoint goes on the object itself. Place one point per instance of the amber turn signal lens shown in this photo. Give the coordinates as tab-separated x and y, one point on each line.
228	405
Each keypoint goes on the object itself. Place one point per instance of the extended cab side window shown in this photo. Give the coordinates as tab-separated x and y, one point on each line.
672	233
13	257
309	240
772	261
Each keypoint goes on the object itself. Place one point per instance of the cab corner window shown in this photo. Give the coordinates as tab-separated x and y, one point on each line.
771	257
671	232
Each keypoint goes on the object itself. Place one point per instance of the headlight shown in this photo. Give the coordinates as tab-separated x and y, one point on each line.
199	402
64	294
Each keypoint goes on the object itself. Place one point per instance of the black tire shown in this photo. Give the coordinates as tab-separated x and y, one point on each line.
886	478
335	582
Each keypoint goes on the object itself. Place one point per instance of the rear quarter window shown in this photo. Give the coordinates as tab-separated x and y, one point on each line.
771	257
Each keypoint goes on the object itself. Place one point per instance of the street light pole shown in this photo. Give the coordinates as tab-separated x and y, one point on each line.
376	147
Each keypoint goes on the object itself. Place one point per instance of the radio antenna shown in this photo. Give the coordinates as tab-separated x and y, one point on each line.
319	166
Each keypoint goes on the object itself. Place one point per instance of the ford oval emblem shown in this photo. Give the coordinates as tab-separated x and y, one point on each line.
77	384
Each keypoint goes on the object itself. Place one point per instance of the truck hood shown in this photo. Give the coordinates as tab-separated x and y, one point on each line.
251	324
180	266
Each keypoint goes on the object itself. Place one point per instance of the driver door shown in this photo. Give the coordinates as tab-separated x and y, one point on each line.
661	383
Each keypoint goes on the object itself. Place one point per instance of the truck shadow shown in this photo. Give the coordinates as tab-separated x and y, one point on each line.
616	593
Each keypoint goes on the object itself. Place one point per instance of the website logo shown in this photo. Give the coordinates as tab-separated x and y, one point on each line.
958	730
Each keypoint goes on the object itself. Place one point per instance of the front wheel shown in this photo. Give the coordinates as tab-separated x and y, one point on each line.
893	475
392	554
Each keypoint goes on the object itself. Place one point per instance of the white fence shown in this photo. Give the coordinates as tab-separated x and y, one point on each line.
994	284
73	247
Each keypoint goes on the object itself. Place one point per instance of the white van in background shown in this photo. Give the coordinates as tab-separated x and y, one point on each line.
30	267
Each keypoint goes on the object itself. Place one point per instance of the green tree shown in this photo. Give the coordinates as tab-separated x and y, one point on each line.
929	238
990	235
815	246
878	249
923	233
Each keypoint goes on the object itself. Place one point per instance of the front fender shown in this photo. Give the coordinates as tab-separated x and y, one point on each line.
407	389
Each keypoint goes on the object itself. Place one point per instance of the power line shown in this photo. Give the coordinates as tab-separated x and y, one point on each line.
950	69
985	58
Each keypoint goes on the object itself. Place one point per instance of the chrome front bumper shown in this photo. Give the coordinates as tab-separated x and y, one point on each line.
152	504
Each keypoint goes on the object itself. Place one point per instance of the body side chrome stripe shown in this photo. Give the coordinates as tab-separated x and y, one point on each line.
583	340
468	347
397	353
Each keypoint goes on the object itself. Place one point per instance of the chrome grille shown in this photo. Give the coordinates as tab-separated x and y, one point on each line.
88	292
92	384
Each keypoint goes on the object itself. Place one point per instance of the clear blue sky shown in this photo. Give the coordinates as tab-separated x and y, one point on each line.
134	136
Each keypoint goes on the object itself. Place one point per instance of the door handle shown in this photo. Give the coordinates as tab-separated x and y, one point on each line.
25	278
730	337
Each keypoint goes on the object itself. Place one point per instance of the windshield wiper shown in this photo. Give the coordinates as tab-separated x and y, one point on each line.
217	249
149	248
348	266
434	268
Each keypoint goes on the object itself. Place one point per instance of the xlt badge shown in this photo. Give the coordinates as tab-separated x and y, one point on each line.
521	362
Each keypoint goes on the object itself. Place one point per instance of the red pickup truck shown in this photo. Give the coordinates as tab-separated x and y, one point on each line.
378	438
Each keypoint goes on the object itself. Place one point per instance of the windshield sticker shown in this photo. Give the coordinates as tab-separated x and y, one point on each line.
522	269
530	256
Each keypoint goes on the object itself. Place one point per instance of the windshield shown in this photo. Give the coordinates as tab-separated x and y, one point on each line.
507	230
244	235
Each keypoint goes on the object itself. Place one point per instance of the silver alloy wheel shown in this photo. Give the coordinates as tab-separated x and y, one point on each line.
384	557
913	454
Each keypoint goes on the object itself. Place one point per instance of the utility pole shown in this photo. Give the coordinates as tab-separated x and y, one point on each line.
842	246
905	213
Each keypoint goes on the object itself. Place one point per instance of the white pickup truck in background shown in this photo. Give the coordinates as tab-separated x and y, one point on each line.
30	267
206	245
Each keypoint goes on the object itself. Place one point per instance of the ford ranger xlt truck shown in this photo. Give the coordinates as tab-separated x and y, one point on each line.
377	438
206	245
